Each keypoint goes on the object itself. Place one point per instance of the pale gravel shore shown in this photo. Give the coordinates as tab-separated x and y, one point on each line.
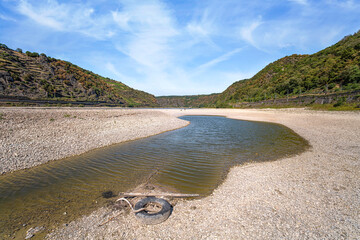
33	136
315	195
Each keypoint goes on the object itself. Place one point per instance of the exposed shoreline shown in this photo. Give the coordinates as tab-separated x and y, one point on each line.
34	136
313	195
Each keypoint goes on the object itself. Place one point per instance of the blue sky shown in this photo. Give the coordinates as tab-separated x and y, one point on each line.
176	47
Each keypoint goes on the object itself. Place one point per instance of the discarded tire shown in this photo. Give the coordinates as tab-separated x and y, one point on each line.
153	218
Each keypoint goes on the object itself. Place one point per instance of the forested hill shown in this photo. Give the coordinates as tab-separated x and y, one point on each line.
334	69
188	101
35	76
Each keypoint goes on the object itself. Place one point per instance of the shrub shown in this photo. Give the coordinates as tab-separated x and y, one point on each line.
32	54
357	46
340	102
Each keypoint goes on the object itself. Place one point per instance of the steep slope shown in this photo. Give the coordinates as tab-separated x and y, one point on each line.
324	77
37	76
188	101
334	69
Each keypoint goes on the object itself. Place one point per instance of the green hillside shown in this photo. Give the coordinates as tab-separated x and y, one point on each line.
188	101
36	76
331	75
335	69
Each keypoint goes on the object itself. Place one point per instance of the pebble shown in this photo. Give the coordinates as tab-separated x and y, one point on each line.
32	231
28	132
243	207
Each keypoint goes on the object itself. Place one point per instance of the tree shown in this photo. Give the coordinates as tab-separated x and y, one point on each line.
32	54
354	74
351	74
19	50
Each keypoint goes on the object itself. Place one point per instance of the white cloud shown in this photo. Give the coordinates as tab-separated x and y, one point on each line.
202	30
155	48
247	32
346	4
301	2
122	19
67	17
7	18
217	60
44	16
120	77
149	28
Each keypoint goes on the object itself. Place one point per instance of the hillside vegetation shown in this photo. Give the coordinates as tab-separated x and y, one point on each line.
188	101
334	71
36	76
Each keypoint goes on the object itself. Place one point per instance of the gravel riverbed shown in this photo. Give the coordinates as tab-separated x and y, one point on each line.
33	136
314	195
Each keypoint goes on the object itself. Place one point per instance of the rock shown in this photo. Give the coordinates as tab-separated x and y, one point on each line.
31	232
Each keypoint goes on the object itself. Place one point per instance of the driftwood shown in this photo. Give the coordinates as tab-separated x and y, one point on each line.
179	195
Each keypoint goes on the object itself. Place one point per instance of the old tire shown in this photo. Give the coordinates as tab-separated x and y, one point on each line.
153	218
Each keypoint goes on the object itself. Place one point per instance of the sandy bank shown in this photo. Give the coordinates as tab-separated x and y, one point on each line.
33	136
315	195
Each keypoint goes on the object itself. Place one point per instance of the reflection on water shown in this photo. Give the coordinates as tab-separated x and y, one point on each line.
194	159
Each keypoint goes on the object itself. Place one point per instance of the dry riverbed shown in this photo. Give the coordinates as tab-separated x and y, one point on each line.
315	195
33	136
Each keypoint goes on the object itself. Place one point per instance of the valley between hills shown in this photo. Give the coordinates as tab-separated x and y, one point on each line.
328	79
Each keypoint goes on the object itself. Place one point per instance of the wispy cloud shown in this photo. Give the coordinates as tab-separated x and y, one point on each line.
217	60
174	47
111	67
247	32
44	16
6	18
67	17
301	2
149	28
201	30
346	4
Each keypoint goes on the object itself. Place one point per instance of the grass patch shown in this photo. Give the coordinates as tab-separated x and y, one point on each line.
51	119
1	116
336	107
67	115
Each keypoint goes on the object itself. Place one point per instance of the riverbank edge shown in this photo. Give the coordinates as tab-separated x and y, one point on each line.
34	136
304	196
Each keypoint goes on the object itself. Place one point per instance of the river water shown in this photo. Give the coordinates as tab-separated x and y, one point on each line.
194	159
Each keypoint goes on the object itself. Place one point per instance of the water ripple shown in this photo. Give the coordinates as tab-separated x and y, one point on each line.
193	159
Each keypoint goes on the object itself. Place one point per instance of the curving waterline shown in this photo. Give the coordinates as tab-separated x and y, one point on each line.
194	159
